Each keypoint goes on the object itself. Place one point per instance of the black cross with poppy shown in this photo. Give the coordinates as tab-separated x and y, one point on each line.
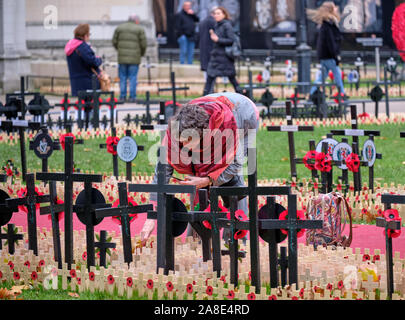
283	263
21	124
290	129
55	146
65	105
252	191
164	214
129	164
12	237
68	177
390	225
355	133
103	245
114	156
312	147
30	200
85	211
292	224
54	210
123	211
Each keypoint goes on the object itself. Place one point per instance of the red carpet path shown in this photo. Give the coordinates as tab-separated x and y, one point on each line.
364	236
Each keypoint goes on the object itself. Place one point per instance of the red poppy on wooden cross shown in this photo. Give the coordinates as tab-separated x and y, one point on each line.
189	288
169	286
110	279
16	275
129	282
231	294
149	284
92	276
209	290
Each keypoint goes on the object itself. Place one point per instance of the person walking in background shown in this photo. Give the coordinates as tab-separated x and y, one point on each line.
185	25
81	60
130	42
327	18
206	44
220	64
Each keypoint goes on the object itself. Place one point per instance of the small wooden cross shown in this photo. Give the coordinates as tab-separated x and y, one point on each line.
30	200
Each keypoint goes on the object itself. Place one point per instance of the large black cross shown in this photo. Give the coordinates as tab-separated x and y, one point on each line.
21	124
173	89
30	200
85	211
55	146
68	177
290	128
124	210
355	133
103	245
11	237
389	199
252	191
54	210
165	239
162	121
114	156
292	224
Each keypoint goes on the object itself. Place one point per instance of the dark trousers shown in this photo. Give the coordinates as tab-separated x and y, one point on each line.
208	88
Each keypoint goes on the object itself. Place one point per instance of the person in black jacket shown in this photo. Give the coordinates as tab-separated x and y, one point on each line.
220	65
328	45
206	44
185	21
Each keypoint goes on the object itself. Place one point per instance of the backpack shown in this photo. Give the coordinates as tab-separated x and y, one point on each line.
235	50
330	208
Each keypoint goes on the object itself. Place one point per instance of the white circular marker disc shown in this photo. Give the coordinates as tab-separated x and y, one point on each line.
369	152
340	152
127	149
331	145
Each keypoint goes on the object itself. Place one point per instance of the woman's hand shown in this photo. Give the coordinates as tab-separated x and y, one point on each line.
213	35
198	182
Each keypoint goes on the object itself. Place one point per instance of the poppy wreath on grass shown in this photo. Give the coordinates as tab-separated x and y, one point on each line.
392	215
131	203
310	155
353	162
111	142
300	216
63	137
323	162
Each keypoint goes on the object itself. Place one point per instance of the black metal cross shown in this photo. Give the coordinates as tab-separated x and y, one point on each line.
103	245
165	239
44	157
124	210
30	200
6	213
292	224
68	177
54	210
252	191
11	237
114	156
87	202
173	89
388	199
65	105
290	128
21	124
128	133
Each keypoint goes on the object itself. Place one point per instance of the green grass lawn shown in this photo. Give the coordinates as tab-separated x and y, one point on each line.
273	155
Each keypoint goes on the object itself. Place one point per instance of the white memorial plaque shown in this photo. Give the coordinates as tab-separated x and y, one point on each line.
20	123
331	145
340	152
127	149
369	152
289	128
354	132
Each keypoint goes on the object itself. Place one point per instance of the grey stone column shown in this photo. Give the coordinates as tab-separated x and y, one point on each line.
14	56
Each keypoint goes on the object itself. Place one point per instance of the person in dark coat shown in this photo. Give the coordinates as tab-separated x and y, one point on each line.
185	23
206	44
328	45
220	65
81	60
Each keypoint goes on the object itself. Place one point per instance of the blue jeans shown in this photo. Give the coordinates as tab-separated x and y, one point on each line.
125	72
186	49
326	65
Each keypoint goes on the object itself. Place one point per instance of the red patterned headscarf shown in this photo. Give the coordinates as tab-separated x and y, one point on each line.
222	124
